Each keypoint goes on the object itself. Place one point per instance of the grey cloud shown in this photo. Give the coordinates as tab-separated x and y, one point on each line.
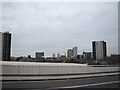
54	27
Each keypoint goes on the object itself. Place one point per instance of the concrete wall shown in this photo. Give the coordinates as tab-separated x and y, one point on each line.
28	68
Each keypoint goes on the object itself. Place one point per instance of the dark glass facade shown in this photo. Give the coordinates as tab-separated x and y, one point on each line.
39	55
6	46
96	53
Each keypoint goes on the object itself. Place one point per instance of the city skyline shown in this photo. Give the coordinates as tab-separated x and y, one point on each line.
56	27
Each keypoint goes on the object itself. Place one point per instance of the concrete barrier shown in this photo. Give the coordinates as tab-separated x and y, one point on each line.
33	68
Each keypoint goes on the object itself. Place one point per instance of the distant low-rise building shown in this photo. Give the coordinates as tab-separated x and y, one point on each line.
87	55
113	59
63	56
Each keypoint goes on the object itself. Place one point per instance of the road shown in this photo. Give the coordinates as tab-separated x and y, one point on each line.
96	82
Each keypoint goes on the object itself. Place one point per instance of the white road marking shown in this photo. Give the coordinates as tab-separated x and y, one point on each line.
90	84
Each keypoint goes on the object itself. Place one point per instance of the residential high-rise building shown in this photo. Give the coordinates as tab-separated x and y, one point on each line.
1	46
75	51
99	50
69	53
6	46
39	55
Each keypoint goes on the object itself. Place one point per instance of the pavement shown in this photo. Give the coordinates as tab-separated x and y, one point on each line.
42	78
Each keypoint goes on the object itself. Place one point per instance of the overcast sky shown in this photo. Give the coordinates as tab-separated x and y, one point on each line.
55	27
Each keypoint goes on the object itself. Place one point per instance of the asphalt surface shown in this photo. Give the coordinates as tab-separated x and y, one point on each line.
43	78
96	82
